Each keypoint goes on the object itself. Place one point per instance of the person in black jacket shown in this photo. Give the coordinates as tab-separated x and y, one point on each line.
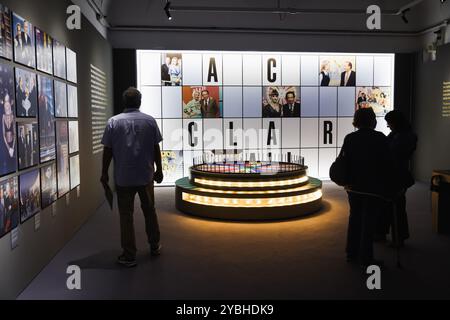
367	159
402	144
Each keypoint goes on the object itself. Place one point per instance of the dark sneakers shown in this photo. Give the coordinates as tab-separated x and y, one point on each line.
126	262
155	250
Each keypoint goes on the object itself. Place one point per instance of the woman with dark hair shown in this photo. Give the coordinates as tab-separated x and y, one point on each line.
402	144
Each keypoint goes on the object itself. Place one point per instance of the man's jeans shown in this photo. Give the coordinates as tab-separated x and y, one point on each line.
125	196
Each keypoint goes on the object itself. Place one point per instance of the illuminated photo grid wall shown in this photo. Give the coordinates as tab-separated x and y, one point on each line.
268	104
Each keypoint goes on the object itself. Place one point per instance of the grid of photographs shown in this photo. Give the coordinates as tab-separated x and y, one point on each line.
267	104
34	112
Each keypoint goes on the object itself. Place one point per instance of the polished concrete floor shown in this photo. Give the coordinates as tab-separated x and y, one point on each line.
204	259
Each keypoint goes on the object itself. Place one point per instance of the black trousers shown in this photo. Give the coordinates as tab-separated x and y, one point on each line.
362	222
386	221
125	196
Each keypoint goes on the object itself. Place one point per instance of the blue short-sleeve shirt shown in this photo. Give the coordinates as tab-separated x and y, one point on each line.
132	136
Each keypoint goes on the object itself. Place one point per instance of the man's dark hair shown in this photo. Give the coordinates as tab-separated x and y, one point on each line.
205	91
365	118
350	64
397	121
290	92
132	98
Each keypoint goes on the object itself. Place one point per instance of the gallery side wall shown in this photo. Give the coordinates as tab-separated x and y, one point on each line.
433	151
36	249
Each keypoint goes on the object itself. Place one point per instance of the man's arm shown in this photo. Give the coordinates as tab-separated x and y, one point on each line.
158	176
107	158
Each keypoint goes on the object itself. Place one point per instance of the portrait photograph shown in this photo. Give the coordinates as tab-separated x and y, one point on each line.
44	51
172	164
202	102
59	60
60	99
46	119
5	33
74	142
26	94
337	71
62	157
24	44
27	144
74	172
9	205
49	190
171	70
377	98
8	155
72	97
280	101
30	195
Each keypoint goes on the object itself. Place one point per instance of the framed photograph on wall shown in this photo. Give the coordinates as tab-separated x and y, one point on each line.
8	156
26	94
281	101
171	70
27	144
62	157
30	194
337	71
74	171
60	99
24	41
9	205
377	98
74	142
49	189
5	33
71	65
46	119
44	51
59	60
72	96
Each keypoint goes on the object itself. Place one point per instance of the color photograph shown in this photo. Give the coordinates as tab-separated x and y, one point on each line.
30	195
8	160
72	95
44	49
172	163
377	98
281	102
337	71
9	205
62	156
74	171
5	33
74	142
59	59
49	191
26	94
24	45
46	119
28	145
171	70
202	102
60	99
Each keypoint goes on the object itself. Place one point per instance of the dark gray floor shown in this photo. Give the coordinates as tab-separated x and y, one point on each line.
283	260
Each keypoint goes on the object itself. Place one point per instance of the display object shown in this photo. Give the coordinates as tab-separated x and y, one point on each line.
24	41
9	205
171	70
46	119
59	60
74	145
44	51
74	171
62	156
5	33
248	190
49	188
60	99
30	195
72	96
26	94
28	145
8	160
71	65
172	164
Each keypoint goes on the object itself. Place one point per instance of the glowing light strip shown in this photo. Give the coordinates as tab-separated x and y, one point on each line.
252	203
240	184
254	192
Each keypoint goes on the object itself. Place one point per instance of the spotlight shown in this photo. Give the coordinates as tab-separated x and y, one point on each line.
167	10
443	1
404	18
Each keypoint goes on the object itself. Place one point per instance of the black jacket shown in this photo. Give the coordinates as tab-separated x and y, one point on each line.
402	146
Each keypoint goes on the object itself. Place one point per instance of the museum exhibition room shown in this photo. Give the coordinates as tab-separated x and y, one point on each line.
210	150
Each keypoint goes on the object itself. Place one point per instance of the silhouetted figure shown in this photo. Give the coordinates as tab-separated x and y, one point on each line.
366	154
402	144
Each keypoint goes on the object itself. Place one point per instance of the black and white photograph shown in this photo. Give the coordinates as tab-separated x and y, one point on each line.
46	119
44	50
74	142
8	154
62	162
72	97
30	195
59	60
5	33
9	205
74	171
27	144
60	99
24	44
26	94
49	189
71	65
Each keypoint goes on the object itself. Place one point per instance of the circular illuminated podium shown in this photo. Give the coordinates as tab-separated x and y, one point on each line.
248	190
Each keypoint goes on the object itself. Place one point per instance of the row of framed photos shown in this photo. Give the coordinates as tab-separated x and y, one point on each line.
30	46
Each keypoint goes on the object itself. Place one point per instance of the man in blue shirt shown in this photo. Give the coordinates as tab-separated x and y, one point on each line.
132	139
